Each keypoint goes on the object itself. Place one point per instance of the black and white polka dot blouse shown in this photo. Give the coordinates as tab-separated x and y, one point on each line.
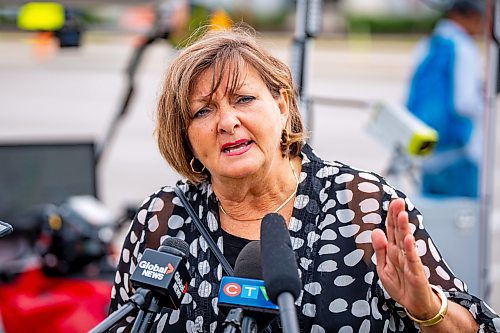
335	211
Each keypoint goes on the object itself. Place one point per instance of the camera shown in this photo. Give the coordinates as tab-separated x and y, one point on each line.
395	126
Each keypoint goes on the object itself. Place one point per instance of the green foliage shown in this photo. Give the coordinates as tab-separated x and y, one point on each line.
274	22
390	24
89	16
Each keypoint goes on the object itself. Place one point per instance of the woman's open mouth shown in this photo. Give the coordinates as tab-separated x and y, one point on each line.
236	147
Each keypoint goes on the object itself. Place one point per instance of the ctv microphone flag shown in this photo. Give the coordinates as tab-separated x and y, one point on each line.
243	298
248	294
163	273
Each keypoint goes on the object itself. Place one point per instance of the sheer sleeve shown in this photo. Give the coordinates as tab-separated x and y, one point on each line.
147	230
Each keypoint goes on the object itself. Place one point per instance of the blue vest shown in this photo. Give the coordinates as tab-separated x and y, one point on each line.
431	96
431	99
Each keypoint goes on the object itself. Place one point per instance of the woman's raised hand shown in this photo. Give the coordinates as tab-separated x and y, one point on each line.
399	267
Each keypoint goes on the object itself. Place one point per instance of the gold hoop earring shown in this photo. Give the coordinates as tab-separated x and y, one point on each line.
192	167
285	142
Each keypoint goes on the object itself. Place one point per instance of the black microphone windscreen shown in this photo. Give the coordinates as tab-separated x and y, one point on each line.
248	263
279	264
175	246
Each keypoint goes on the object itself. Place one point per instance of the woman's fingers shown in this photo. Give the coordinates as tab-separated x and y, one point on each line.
391	224
401	222
409	261
395	208
397	230
412	257
398	264
379	242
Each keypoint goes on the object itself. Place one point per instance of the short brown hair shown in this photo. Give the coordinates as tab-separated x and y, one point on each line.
222	50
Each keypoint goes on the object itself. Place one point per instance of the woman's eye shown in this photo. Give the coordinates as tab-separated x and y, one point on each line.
245	99
201	112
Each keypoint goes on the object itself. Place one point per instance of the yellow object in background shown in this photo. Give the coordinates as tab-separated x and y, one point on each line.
396	127
41	16
220	20
200	16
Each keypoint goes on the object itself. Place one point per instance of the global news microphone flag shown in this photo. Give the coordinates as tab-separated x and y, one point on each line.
164	273
161	279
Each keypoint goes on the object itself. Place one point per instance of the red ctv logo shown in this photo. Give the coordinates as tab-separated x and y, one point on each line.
232	289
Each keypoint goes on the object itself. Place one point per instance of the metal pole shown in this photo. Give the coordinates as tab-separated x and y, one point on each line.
307	25
493	33
298	51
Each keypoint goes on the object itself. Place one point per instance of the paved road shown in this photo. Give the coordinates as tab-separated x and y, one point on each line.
74	94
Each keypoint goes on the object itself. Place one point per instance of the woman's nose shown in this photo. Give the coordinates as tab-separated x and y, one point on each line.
228	120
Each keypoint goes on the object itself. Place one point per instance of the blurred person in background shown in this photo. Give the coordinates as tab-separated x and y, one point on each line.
446	92
228	121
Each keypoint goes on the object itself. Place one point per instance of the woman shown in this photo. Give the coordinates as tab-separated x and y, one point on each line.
228	121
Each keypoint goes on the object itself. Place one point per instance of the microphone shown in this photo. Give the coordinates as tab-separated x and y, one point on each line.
279	269
248	263
161	279
243	297
164	272
5	229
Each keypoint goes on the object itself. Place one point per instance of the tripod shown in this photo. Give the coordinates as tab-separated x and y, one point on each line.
157	32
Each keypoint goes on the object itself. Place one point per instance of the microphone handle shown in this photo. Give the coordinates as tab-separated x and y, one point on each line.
141	297
144	319
114	318
249	325
236	321
138	321
147	322
288	313
233	320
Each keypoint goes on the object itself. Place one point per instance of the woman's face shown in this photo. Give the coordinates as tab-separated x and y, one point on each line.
236	134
